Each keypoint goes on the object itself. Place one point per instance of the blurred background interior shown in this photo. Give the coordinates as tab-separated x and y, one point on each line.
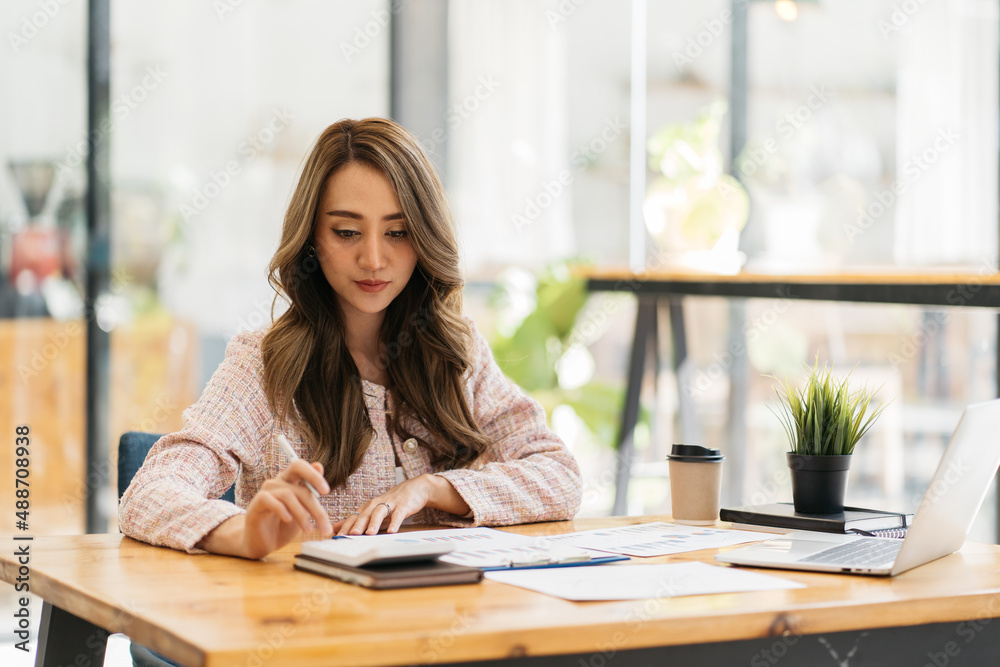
569	134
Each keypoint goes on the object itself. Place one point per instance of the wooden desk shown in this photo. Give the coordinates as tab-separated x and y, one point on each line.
917	287
914	287
216	611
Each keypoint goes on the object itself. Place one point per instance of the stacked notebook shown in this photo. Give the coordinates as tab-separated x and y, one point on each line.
782	517
383	564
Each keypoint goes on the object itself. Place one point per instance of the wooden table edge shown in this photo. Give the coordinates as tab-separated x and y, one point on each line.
808	619
888	277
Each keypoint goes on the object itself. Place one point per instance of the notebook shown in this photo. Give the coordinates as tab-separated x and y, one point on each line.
940	526
360	550
783	517
394	575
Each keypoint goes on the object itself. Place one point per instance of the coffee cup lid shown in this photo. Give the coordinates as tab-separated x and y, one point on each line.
695	454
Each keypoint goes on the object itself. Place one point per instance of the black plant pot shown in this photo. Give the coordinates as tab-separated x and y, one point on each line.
818	482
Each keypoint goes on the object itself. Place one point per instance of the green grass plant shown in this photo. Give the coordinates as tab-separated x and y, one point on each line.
824	417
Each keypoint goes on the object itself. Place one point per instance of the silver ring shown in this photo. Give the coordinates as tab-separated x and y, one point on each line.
354	514
388	507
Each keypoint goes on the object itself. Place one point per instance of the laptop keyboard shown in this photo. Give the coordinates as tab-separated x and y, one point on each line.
862	553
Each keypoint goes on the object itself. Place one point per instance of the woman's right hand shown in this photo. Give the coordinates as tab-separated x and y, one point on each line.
281	510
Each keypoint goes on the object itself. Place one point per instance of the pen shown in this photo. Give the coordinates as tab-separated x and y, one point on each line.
292	456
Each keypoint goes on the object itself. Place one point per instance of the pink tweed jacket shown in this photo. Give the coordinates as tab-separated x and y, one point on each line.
230	435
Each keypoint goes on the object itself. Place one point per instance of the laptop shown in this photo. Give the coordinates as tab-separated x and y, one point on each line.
939	526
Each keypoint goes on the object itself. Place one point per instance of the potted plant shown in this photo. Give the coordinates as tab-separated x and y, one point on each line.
824	420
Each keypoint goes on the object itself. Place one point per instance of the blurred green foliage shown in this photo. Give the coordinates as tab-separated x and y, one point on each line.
529	355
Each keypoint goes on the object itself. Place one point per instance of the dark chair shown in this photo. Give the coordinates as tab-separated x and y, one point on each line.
132	450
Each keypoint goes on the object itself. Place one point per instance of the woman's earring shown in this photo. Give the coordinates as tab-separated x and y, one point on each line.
310	251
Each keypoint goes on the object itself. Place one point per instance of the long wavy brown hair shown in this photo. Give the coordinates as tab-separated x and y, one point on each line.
309	374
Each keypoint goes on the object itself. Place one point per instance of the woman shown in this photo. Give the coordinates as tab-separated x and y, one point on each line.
372	374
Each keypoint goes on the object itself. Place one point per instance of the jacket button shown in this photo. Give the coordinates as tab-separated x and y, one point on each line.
410	446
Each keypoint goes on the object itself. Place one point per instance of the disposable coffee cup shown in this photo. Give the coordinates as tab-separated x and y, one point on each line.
695	484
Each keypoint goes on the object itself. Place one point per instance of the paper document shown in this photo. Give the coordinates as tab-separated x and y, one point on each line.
657	539
637	582
488	548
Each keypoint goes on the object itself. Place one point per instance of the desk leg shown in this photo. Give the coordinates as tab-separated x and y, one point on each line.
996	486
65	639
645	324
689	429
739	390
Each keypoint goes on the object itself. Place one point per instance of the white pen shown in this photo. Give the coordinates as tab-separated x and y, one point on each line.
286	447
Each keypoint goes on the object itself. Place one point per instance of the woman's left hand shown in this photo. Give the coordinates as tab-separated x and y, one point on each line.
401	501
